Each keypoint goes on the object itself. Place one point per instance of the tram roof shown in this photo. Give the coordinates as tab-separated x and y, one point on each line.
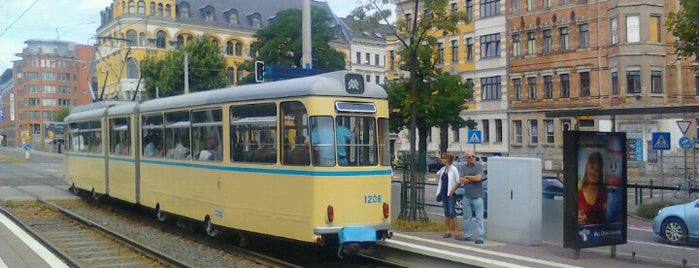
328	84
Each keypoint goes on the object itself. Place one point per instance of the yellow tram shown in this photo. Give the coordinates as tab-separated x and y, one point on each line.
298	159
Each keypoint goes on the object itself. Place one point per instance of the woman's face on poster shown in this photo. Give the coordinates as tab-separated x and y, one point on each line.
592	173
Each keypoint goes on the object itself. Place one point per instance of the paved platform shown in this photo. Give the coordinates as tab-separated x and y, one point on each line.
498	254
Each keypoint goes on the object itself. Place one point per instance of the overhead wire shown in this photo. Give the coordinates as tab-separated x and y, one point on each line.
18	18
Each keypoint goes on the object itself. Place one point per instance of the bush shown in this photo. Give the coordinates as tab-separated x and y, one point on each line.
417	225
648	211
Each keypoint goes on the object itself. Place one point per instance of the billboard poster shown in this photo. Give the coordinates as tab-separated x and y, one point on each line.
595	189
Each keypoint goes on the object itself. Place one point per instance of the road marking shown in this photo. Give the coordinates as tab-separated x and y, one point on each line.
640	229
2	264
40	250
453	256
489	252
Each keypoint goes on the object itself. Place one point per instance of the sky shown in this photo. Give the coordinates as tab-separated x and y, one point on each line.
67	20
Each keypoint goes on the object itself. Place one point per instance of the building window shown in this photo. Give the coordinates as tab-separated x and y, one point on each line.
454	51
498	130
547	4
469	49
453	8
531	43
533	131
469	10
486	130
367	56
141	7
516	50
490	46
565	85
131	37
696	84
132	7
151	10
392	56
229	48
531	84
633	81
490	8
440	53
184	12
409	22
656	81
160	10
614	32
256	23
377	79
469	84
231	75
358	58
615	83
654	28
548	87
515	6
132	69
549	131
563	34
33	102
584	35
530	5
167	10
517	131
376	60
633	29
455	133
584	84
160	39
548	42
517	85
490	88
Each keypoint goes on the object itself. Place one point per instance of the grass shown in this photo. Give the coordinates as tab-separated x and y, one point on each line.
648	211
417	226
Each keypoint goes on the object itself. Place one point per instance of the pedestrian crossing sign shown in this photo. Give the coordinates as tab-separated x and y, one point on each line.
474	137
661	141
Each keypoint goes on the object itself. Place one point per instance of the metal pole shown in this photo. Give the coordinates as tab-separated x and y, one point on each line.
306	58
662	178
186	73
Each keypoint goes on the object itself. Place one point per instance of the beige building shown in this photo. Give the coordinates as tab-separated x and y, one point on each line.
132	30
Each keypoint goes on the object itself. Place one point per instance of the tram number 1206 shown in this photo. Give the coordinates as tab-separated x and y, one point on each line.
372	199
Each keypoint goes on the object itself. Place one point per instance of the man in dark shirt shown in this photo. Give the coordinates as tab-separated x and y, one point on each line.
471	174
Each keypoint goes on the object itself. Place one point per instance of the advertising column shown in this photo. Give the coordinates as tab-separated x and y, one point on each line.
595	187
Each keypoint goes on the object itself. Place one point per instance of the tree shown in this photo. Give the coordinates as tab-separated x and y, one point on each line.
61	114
684	24
418	39
206	69
280	43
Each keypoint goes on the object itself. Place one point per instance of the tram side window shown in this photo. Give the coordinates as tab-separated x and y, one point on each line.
94	137
152	135
76	138
177	135
322	141
384	142
295	131
206	134
254	136
120	136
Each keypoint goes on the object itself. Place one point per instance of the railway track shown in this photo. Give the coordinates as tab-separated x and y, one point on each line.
83	243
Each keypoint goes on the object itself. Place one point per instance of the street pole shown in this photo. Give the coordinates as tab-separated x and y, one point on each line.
186	73
306	58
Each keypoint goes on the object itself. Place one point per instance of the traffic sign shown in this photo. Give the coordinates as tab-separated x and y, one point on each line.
661	141
474	137
686	142
684	125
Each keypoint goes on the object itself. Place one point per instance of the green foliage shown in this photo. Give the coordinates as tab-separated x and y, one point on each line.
648	211
684	24
421	226
206	69
280	43
61	114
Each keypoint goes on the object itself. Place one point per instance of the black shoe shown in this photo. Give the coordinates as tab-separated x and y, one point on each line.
446	236
478	242
461	238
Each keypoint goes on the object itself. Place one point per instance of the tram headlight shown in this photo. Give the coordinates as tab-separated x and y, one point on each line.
331	213
385	210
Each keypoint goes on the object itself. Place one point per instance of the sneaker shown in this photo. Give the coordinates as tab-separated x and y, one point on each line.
446	236
461	238
478	242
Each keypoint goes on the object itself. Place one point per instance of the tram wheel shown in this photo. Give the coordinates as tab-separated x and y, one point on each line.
211	229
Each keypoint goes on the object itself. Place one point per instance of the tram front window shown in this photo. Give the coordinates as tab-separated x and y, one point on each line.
355	138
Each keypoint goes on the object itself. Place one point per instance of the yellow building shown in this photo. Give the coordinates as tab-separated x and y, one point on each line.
132	30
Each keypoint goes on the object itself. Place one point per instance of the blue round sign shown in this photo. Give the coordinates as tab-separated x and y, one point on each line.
27	147
686	142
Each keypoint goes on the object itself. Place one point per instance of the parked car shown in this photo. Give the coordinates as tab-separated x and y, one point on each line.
434	163
551	188
679	223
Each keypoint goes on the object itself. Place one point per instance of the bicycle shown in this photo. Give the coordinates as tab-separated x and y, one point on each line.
683	189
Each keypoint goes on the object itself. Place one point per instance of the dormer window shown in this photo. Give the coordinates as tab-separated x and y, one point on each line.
183	11
255	20
232	17
207	13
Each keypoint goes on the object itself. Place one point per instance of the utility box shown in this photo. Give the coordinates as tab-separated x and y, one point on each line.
514	200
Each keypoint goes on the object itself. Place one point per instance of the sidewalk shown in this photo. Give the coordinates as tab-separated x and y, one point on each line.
498	254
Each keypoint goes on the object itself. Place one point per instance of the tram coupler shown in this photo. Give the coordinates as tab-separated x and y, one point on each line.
354	238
